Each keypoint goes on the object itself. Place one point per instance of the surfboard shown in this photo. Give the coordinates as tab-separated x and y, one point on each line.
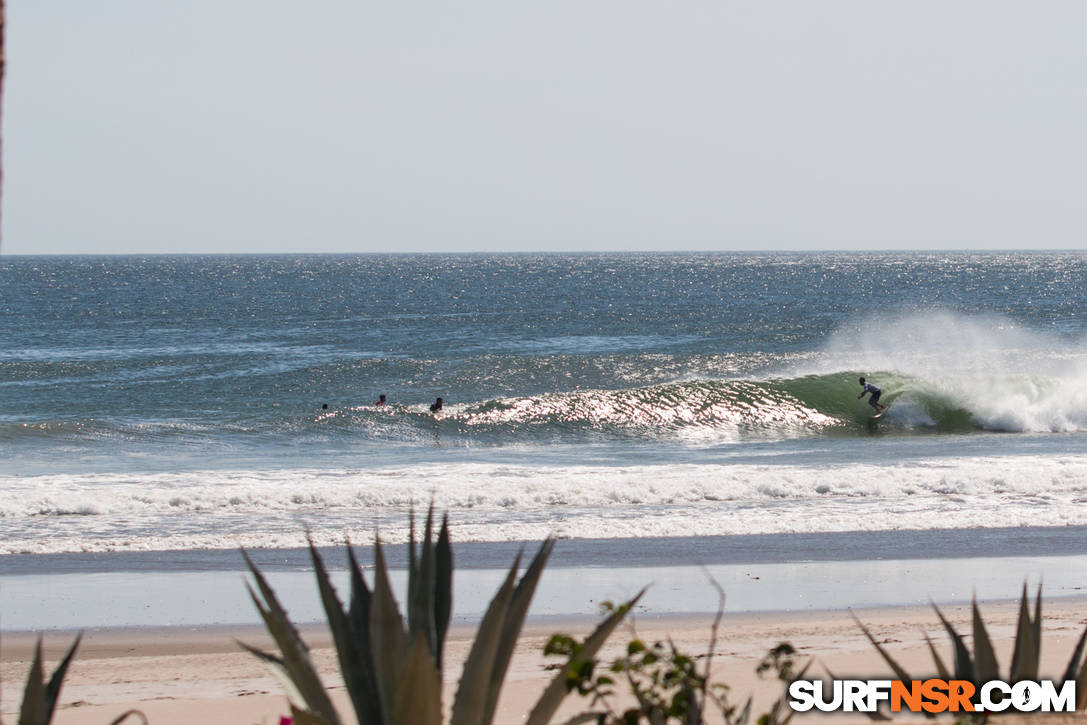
881	413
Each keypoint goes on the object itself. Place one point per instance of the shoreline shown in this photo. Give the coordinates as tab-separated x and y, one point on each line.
957	543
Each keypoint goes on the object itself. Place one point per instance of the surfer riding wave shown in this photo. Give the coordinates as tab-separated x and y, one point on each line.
867	388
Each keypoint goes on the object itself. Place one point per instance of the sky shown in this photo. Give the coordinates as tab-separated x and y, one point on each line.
489	125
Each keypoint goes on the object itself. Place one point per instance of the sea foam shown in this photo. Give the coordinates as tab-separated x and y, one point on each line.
497	502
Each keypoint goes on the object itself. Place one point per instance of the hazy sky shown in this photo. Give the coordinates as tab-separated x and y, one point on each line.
351	126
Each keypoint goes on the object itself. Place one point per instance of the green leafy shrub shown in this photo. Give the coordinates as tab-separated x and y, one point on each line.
665	683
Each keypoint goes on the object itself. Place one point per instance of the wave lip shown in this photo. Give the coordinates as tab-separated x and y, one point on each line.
979	371
790	407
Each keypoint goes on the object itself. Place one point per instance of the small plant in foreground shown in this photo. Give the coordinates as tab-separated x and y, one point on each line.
392	672
40	697
666	684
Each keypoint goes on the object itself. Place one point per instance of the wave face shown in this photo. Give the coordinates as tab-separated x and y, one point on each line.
959	399
178	401
748	410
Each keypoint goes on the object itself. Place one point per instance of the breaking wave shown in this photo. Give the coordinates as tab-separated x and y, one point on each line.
743	409
712	410
500	502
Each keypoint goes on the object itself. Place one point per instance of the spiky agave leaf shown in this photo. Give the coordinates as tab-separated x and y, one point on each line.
419	689
39	697
552	697
296	660
1037	623
964	666
900	673
1081	687
52	690
471	698
306	717
358	616
1073	663
389	640
984	655
352	650
279	669
511	627
413	566
421	590
443	586
1025	655
941	668
33	710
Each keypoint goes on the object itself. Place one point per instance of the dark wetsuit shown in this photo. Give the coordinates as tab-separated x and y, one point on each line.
876	392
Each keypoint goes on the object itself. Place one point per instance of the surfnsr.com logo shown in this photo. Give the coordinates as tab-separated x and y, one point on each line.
932	696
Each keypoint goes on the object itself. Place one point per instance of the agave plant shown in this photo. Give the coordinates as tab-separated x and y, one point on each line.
393	672
982	665
40	697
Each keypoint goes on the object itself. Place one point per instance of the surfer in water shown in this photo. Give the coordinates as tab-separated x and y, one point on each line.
874	400
437	406
380	400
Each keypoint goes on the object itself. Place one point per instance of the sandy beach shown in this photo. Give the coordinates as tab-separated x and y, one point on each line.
178	675
161	629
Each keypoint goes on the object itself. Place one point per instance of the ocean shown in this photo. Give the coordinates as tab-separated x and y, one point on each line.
176	402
